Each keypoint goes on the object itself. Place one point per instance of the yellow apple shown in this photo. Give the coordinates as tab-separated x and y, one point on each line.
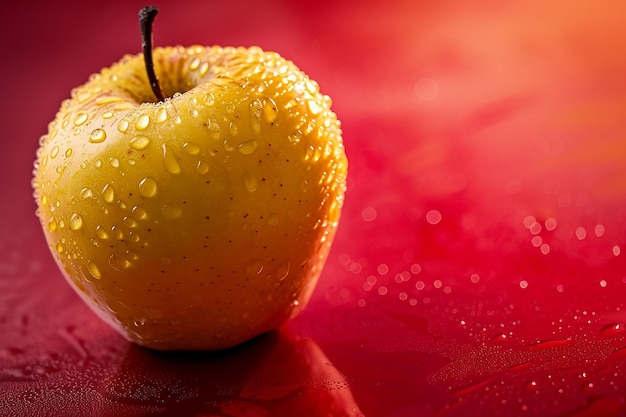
201	220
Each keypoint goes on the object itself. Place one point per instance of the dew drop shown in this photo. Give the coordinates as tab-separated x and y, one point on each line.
93	270
118	262
283	271
122	126
142	122
250	182
161	115
86	193
295	137
270	111
214	128
148	187
191	148
233	128
140	142
76	221
80	119
272	220
209	99
256	110
59	247
97	136
101	233
139	212
202	167
169	161
612	329
254	267
314	107
117	233
114	162
107	114
248	147
108	193
171	211
52	225
68	152
54	152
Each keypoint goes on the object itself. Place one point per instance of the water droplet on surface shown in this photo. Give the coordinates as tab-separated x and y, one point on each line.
122	127
117	233
209	99
148	187
169	161
108	193
54	152
214	128
202	167
270	110
93	270
171	211
68	152
52	225
161	115
248	147
114	162
549	344
314	107
433	216
142	122
250	182
295	137
140	142
76	221
101	233
139	212
118	262
86	193
191	148
612	329
256	110
97	136
254	267
80	119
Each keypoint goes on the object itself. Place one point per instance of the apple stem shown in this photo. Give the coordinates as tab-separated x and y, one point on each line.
146	19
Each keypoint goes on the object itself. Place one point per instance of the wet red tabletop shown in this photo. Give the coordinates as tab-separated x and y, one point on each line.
480	265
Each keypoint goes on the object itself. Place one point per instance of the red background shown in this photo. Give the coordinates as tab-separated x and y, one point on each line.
479	268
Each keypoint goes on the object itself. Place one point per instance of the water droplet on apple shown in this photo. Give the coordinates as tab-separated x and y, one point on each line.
283	271
256	110
191	148
161	115
117	233
214	128
59	247
54	152
194	64
295	137
250	182
114	162
171	211
86	193
209	99
270	110
80	119
140	142
248	147
129	222
122	126
148	187
52	225
169	160
107	115
108	193
68	152
254	267
76	221
118	262
204	68
202	167
97	136
314	107
139	212
142	122
101	233
93	270
233	129
272	220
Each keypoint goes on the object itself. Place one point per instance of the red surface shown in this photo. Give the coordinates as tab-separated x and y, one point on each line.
480	266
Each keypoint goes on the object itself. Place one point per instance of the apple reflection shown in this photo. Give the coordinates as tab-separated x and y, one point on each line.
276	374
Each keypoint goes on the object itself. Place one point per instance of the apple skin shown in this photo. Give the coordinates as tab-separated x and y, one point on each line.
201	221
